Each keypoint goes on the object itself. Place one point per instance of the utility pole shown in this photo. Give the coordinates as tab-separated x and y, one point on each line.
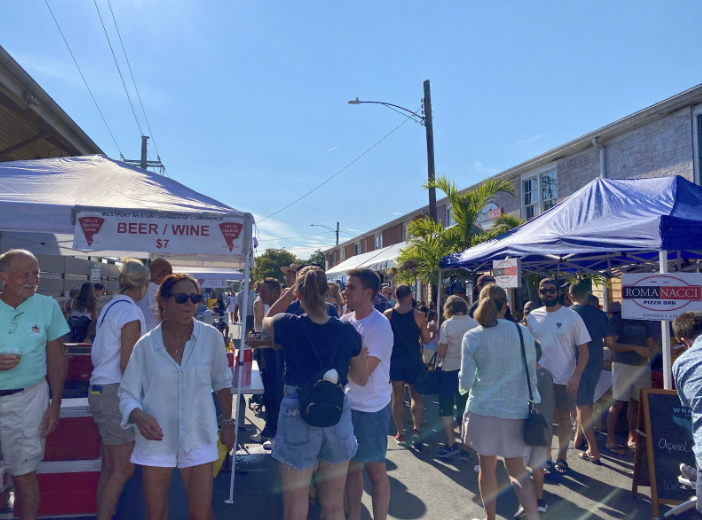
429	126
143	162
337	233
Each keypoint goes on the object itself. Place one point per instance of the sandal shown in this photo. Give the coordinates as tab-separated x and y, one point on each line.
561	467
550	467
615	450
584	456
582	446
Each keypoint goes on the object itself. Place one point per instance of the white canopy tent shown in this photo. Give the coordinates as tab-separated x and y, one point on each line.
378	260
103	203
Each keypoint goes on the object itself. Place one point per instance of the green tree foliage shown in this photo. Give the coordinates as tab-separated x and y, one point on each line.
316	258
269	263
429	241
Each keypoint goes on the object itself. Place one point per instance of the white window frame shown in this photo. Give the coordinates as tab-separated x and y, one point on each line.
357	249
341	254
696	133
378	241
449	217
404	231
536	174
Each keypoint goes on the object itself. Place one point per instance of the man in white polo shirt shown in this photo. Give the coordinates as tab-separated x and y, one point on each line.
32	327
370	404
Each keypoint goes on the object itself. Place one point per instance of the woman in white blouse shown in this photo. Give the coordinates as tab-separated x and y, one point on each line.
166	392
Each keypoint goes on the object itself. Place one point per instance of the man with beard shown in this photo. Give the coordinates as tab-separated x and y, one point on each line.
560	331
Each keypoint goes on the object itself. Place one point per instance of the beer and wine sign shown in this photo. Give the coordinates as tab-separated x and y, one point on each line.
158	231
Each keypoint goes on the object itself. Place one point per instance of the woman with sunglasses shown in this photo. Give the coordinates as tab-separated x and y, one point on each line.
166	392
306	340
494	375
119	326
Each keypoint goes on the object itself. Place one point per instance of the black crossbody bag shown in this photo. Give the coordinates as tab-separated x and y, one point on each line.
534	425
321	402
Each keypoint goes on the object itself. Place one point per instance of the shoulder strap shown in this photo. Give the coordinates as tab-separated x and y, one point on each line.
526	366
108	310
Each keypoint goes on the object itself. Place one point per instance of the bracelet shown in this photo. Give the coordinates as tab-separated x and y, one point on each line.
229	422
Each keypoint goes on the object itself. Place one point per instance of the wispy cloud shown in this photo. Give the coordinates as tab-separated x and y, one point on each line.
479	166
396	213
353	230
531	139
333	148
271	232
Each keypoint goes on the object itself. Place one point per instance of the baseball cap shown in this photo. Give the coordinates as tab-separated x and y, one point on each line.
293	268
615	307
486	278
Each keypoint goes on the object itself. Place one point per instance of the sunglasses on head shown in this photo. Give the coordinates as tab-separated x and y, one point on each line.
181	298
548	291
309	265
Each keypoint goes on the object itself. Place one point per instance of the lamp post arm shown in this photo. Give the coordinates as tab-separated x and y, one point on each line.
389	105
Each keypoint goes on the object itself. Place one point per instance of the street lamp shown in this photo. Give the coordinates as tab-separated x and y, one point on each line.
426	120
332	229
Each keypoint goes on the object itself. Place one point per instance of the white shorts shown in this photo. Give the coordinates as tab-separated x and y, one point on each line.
195	457
21	441
628	380
535	457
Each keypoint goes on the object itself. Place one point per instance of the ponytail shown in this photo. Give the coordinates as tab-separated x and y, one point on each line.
491	303
312	284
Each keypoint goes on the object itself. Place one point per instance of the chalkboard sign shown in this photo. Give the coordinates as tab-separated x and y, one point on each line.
667	426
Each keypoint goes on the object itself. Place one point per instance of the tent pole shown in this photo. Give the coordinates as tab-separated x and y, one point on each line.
439	291
665	330
240	367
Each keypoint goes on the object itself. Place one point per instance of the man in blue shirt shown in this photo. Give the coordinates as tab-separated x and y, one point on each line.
687	371
32	327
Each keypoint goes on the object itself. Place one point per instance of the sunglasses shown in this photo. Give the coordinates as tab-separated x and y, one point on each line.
548	291
182	298
13	327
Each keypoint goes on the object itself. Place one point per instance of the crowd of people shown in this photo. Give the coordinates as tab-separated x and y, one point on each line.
336	367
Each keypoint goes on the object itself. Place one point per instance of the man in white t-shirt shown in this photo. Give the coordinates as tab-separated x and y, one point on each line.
560	331
370	404
160	268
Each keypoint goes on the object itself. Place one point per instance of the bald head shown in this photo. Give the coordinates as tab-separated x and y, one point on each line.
160	268
6	259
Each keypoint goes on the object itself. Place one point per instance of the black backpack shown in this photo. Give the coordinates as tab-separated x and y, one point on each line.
321	402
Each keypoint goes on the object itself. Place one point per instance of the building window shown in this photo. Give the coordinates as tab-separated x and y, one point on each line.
404	231
539	193
341	254
379	241
357	249
697	124
449	217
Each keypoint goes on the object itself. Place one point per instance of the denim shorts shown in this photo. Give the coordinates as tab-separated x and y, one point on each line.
371	430
300	445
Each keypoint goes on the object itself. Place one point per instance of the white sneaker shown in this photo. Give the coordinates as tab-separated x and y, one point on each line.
257	437
268	445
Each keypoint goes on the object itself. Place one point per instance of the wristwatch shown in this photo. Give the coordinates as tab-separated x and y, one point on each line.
229	422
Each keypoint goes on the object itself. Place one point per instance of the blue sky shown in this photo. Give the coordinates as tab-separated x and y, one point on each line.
248	100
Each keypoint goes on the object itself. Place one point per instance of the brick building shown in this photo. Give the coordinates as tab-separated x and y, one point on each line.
661	140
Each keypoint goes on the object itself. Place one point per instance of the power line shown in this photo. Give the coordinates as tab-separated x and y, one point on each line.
339	172
84	80
141	132
131	73
299	236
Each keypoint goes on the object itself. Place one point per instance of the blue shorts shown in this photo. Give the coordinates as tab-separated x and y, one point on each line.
371	430
406	367
300	445
586	390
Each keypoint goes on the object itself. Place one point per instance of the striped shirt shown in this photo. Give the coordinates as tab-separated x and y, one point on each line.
492	370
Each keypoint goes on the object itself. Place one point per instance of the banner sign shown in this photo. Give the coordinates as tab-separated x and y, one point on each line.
658	297
95	272
153	231
211	284
487	217
508	272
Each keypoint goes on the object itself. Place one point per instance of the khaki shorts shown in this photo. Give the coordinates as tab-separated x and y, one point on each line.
21	441
104	406
628	380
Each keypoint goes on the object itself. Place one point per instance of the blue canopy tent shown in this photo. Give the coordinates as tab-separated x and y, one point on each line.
606	228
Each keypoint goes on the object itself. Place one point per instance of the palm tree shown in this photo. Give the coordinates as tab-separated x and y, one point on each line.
429	241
